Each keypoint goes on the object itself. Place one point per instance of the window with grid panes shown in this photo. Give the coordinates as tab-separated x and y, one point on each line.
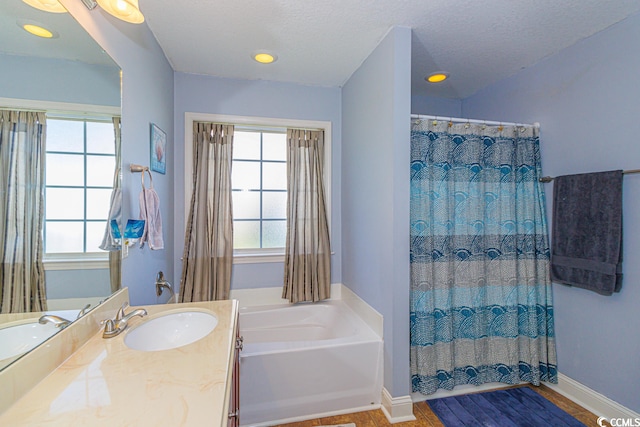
259	189
80	167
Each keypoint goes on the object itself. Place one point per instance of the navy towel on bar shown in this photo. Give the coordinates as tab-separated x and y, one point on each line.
586	246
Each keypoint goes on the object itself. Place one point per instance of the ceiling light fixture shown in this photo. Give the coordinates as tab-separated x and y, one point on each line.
126	10
264	57
437	77
52	6
37	29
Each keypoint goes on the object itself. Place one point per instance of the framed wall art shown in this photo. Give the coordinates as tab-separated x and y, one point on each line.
158	149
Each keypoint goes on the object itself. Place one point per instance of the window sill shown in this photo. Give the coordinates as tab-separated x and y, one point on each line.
257	257
85	263
248	257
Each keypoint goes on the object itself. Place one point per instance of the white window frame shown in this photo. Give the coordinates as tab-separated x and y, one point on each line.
249	256
68	261
97	259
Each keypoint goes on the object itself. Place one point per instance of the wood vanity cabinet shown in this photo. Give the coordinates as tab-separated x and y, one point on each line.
234	399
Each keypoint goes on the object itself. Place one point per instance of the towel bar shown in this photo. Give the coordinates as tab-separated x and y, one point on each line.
550	178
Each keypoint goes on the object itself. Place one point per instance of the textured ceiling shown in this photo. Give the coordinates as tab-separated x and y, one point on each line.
323	42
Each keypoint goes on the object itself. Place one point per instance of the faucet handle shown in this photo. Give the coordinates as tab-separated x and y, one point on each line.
109	328
120	313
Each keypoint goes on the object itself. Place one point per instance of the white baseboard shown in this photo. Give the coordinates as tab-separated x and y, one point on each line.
591	400
397	409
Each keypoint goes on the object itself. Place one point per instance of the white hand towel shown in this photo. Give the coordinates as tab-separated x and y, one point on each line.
150	213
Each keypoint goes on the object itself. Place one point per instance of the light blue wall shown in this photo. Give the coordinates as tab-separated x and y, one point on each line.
147	97
58	80
587	99
78	283
434	106
258	98
376	104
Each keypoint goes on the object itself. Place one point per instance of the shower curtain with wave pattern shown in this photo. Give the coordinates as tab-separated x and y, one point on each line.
481	303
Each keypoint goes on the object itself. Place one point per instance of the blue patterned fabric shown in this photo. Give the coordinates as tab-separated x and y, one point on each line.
481	304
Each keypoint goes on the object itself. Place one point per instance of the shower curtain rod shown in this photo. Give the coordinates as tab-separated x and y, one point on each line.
482	122
550	178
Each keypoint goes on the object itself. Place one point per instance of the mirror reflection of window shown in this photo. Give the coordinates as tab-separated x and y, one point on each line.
80	162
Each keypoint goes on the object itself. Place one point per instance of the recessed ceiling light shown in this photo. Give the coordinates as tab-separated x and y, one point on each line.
53	6
438	77
37	29
264	57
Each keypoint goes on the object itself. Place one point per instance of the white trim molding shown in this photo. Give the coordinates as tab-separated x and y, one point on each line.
397	409
75	264
591	400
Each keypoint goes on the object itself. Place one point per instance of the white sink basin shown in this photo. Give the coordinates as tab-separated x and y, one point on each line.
171	330
18	339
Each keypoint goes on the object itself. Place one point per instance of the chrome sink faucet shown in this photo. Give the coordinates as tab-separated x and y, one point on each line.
114	327
58	322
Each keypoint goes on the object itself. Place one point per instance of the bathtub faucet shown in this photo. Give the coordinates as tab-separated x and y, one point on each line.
83	311
57	321
161	283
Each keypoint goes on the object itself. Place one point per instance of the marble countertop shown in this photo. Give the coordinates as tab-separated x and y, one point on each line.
106	383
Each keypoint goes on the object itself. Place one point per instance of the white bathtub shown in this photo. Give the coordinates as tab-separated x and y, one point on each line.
306	360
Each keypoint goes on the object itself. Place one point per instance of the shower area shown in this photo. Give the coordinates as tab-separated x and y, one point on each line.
481	305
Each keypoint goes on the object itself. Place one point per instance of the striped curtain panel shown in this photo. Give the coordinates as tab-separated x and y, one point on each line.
208	250
115	257
22	159
481	303
307	266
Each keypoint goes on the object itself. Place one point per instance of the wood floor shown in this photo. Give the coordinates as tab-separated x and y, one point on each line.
426	418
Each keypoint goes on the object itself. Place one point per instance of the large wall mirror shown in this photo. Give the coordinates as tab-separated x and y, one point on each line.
77	84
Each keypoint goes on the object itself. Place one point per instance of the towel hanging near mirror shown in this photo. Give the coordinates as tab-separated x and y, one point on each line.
150	213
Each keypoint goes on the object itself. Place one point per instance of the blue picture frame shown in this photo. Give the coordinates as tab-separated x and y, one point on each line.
158	150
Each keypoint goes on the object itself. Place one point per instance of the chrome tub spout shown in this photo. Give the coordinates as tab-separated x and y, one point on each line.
58	322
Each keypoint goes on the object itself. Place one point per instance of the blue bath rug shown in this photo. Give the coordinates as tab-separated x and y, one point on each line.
514	407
